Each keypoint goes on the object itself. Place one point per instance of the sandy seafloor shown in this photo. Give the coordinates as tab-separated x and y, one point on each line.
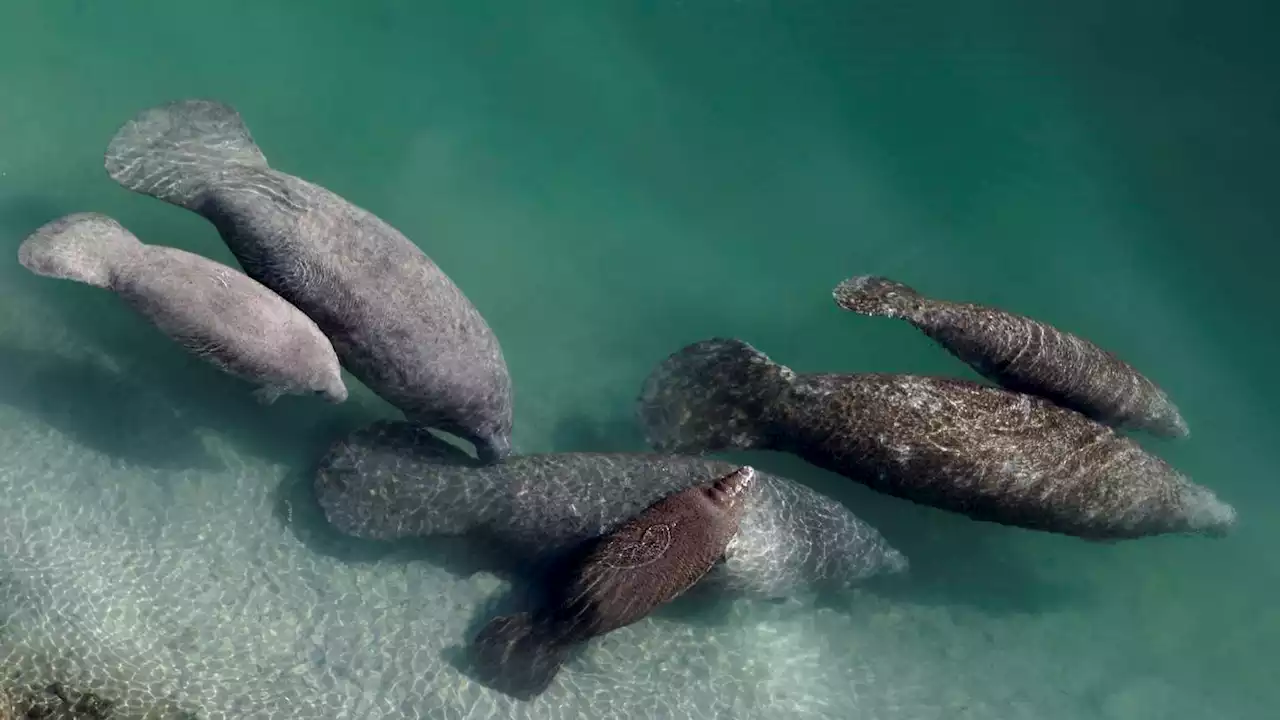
211	589
608	181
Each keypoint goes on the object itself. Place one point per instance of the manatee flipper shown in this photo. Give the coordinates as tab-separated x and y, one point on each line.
512	654
709	396
174	151
267	394
877	296
409	440
84	247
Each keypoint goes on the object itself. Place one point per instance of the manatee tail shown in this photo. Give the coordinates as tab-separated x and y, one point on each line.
712	395
518	656
84	247
877	297
172	152
393	479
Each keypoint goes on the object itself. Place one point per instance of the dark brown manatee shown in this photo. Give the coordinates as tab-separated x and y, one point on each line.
982	451
644	563
1024	355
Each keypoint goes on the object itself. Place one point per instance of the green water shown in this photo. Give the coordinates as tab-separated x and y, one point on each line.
608	181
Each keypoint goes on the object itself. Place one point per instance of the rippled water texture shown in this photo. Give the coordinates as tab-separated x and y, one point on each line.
607	182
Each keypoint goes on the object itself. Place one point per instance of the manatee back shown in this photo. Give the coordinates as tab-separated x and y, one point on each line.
226	317
398	322
557	501
649	561
394	480
794	540
1029	356
994	455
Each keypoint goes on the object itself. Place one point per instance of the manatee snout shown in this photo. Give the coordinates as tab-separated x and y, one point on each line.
335	393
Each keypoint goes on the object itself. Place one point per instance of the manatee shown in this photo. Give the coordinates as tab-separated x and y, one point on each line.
971	448
646	562
215	312
392	480
1025	355
398	323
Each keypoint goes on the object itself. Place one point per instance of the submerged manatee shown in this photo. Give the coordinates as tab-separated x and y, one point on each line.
1024	355
644	563
962	446
398	323
392	480
206	307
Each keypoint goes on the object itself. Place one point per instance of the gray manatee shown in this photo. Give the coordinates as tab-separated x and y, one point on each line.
982	451
397	322
392	480
213	311
647	561
1024	355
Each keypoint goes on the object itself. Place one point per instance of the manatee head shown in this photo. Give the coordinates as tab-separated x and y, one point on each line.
729	492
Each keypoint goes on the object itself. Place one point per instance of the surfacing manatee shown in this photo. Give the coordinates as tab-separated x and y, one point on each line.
214	311
982	451
1024	355
392	480
398	323
646	562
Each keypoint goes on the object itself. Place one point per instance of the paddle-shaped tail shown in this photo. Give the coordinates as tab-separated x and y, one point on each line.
518	656
84	247
175	151
877	296
711	395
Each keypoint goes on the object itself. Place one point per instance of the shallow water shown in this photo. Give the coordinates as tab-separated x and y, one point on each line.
608	181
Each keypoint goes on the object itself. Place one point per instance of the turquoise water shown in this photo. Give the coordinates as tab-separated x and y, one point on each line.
608	181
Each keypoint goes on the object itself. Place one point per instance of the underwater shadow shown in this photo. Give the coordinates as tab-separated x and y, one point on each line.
462	557
458	656
290	431
101	409
702	605
151	411
528	593
955	561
